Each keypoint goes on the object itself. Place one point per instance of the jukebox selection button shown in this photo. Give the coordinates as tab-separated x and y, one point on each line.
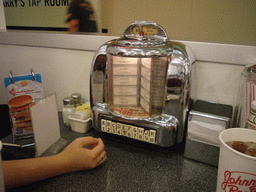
103	125
140	133
108	129
103	128
129	134
152	138
152	133
113	128
146	135
124	130
135	132
129	131
108	126
103	122
119	128
108	123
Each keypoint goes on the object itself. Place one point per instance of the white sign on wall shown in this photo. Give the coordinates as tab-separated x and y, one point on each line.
2	17
42	13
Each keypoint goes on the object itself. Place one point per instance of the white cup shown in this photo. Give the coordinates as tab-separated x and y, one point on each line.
236	171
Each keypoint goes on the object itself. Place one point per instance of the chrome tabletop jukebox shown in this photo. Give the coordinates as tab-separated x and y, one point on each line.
140	86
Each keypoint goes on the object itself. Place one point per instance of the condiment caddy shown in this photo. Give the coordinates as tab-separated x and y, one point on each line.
75	114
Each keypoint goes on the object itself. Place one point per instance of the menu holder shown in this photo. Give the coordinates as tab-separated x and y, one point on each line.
45	121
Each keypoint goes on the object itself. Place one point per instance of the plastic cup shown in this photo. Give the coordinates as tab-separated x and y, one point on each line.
236	171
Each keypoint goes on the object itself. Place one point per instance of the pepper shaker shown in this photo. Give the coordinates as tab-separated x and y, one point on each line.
68	108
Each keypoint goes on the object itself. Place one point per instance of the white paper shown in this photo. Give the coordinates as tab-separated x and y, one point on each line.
45	120
204	132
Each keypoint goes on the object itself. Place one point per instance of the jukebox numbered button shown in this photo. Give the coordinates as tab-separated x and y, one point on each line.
108	126
103	121
135	132
152	138
113	127
146	135
124	130
153	133
103	125
119	128
141	133
108	123
129	131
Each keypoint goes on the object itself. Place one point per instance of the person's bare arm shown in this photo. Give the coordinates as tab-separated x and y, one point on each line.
73	25
74	157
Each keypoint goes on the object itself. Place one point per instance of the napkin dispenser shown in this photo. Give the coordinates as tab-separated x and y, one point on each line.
205	122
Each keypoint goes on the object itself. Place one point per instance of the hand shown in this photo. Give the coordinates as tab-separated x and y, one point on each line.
76	157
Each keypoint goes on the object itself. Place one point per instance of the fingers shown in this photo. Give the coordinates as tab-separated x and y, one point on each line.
84	141
97	145
100	152
102	157
97	150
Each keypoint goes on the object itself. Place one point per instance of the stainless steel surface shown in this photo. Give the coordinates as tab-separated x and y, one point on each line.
209	118
202	152
145	40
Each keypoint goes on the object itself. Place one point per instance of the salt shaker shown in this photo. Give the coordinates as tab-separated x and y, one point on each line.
77	98
68	108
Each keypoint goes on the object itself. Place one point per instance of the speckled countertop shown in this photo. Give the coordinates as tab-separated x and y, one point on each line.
133	167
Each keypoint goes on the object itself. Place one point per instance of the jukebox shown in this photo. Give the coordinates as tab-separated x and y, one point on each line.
140	86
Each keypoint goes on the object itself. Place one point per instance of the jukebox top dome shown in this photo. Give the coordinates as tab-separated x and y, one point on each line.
142	39
145	30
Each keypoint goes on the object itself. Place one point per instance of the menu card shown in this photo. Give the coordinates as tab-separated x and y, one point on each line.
138	85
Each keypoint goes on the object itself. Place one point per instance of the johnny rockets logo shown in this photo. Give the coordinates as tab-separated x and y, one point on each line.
236	181
15	92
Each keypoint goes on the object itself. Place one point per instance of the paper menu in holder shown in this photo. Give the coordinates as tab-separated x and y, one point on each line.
137	87
45	121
